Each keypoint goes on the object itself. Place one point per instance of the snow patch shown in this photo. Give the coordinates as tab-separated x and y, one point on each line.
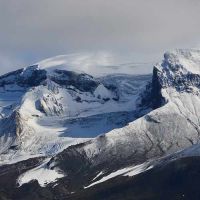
102	93
99	174
184	60
43	174
129	171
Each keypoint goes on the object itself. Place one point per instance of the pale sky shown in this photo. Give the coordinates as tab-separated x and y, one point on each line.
128	30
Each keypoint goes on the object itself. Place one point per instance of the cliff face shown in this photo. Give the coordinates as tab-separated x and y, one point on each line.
152	96
179	70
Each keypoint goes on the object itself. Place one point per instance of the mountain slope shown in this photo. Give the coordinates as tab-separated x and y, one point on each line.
164	120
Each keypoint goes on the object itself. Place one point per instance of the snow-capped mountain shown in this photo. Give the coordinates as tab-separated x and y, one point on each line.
43	110
174	125
136	121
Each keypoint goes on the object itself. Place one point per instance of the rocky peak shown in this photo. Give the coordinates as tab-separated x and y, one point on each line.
25	77
80	81
180	69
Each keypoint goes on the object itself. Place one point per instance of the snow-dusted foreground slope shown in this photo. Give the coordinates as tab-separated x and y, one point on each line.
43	174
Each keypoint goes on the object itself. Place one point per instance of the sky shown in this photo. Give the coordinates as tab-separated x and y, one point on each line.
113	31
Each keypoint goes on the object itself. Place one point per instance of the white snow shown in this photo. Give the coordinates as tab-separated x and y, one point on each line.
129	171
188	59
43	174
102	92
99	174
138	169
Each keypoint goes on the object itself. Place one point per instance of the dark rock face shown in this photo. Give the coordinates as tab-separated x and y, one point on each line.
33	76
156	96
152	96
82	82
169	76
9	78
29	77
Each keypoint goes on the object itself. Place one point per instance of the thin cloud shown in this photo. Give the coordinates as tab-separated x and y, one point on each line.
138	29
